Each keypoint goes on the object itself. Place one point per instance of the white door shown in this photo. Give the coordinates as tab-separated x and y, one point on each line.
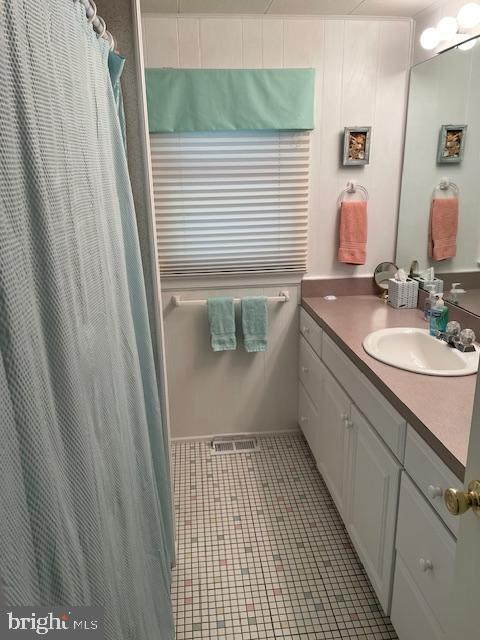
466	584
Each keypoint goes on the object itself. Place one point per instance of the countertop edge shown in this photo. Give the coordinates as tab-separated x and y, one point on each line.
424	432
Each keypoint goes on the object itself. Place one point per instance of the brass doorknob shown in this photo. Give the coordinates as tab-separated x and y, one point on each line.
459	502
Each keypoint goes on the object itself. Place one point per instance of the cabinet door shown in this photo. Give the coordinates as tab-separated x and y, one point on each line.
334	415
372	497
309	421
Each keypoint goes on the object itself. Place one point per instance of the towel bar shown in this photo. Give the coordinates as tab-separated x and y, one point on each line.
284	296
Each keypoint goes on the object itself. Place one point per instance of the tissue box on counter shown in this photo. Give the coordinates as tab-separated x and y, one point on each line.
403	295
436	282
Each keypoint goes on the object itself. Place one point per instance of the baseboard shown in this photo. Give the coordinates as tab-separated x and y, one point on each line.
256	434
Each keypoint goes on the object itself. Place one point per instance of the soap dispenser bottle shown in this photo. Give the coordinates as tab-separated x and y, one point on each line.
429	301
438	316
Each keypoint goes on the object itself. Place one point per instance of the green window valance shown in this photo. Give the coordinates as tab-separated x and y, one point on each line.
229	99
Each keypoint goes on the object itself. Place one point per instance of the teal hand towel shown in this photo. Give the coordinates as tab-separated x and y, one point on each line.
221	316
254	323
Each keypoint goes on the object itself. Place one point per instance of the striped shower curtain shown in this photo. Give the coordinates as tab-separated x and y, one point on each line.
85	514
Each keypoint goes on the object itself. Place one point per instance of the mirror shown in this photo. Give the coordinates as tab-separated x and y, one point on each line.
442	166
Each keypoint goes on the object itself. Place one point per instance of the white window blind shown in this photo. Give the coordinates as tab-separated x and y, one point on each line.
234	202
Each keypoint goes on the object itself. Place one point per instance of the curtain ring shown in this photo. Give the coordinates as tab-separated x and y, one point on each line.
111	40
93	7
104	27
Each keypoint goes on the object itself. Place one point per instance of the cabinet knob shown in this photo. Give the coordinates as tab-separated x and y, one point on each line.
425	565
305	330
305	369
303	419
346	420
434	492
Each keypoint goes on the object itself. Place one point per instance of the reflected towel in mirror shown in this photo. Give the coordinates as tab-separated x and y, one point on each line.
443	227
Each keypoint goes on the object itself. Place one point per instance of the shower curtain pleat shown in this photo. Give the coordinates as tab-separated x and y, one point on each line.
116	63
85	513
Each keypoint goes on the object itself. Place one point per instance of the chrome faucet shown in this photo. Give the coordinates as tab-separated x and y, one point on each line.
458	338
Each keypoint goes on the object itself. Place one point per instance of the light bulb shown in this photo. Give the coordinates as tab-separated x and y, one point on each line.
429	38
469	15
447	27
469	44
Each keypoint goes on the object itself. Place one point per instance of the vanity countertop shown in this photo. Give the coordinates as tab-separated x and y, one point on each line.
438	408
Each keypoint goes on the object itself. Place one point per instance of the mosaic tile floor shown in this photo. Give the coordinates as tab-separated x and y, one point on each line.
262	550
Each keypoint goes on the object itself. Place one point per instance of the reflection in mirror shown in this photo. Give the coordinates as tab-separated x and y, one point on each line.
439	220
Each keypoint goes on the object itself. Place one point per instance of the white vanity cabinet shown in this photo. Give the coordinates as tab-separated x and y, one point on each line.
387	484
357	465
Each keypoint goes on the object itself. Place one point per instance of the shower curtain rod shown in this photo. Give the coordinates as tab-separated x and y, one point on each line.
97	22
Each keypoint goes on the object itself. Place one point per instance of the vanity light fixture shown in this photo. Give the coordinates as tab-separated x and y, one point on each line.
468	17
430	39
447	27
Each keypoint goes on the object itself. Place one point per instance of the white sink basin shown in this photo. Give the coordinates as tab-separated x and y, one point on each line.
416	350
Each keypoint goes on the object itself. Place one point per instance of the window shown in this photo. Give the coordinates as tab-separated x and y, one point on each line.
231	202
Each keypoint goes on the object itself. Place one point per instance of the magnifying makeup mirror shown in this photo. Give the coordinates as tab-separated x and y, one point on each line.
382	274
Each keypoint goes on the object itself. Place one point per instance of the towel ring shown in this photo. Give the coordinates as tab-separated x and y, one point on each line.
352	187
445	184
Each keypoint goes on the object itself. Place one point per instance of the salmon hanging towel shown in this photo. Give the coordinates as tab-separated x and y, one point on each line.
442	234
353	232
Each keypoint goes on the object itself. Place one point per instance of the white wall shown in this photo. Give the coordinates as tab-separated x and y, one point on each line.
234	391
361	79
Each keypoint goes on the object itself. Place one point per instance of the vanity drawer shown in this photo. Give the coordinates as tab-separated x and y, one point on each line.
430	475
311	331
427	549
387	421
310	371
411	615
